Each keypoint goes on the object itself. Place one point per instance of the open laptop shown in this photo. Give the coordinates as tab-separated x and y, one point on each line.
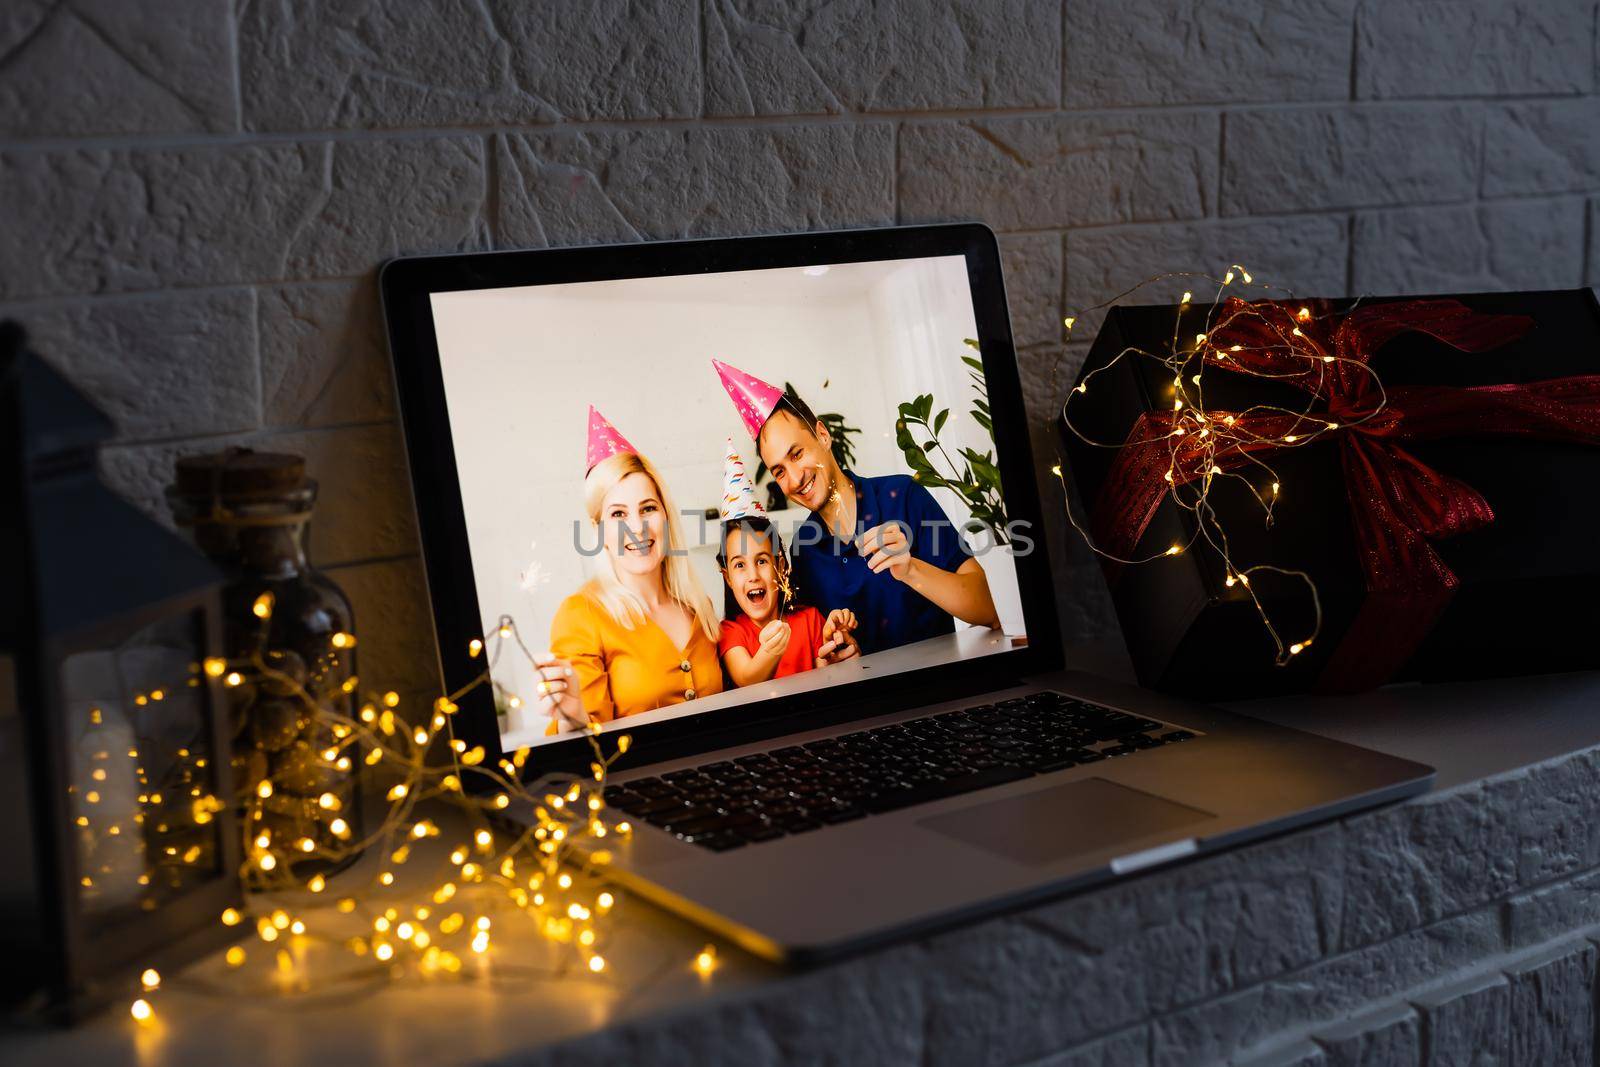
918	760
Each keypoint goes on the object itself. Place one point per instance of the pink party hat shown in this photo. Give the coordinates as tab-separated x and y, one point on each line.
754	398
604	440
738	492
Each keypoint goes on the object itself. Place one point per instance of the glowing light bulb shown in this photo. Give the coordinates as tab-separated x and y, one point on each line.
235	956
263	606
706	961
150	979
597	964
141	1010
216	667
231	917
234	678
343	640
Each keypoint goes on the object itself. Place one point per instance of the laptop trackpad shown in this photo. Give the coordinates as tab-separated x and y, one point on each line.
1066	820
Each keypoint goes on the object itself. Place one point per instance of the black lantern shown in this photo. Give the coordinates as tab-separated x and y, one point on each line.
118	851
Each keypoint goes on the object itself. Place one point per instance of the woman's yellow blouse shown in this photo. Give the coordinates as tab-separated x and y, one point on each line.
622	671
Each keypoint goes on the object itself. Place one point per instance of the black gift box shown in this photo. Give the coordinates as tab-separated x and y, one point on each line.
1530	580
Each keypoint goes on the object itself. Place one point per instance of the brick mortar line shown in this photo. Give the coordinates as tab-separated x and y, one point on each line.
262	432
1355	54
187	139
1332	213
367	561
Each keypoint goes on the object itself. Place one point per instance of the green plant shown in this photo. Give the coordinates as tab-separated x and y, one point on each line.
844	452
976	478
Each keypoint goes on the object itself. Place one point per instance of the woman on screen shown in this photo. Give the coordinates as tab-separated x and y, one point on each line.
641	634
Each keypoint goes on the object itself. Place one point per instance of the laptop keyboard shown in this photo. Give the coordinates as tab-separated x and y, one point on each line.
732	803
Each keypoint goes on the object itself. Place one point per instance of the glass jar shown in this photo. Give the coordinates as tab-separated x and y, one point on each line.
289	631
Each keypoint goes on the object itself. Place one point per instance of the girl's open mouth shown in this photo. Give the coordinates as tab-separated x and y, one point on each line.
641	548
757	595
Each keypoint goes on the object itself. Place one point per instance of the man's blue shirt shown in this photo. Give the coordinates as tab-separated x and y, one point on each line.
829	573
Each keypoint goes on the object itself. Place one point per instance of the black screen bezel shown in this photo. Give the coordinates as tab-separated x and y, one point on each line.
406	285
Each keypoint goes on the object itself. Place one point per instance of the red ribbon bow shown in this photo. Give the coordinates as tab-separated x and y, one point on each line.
1398	504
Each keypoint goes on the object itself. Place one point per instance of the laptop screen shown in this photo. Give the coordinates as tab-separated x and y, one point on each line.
697	491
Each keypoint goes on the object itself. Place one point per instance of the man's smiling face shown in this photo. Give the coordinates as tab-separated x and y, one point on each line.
799	458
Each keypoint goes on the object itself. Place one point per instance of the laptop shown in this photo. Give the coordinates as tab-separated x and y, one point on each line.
767	505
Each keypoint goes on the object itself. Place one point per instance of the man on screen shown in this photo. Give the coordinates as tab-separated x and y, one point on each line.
881	547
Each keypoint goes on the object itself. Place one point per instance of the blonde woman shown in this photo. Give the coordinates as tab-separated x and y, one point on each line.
641	634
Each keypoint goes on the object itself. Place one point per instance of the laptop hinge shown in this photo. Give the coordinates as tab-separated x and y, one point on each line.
909	698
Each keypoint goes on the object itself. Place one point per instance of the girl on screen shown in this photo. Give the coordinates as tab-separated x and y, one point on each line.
765	634
641	634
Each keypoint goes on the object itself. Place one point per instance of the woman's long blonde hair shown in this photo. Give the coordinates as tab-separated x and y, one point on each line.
677	579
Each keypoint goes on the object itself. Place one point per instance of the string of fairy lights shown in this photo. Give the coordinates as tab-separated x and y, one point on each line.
1201	438
551	872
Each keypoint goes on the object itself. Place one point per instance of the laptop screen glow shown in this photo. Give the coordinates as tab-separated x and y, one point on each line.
674	575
